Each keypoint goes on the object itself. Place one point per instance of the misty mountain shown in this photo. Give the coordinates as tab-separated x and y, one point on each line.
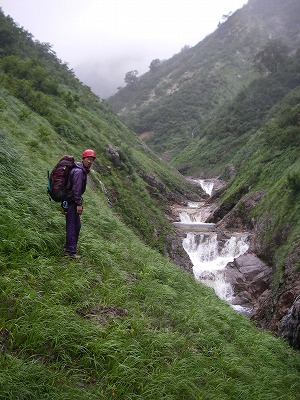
105	78
170	105
96	76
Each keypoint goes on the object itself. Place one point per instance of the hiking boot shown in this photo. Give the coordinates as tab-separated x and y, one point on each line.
72	255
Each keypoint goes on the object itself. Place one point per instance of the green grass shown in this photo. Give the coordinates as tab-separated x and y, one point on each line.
122	323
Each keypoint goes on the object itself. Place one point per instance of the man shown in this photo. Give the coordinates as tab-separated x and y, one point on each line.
72	207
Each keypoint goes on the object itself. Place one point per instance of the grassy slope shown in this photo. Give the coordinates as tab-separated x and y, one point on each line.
204	77
270	162
122	324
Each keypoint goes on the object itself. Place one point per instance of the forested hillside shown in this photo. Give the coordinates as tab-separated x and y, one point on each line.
236	122
172	104
124	322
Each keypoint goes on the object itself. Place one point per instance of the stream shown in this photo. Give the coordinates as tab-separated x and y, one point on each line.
207	250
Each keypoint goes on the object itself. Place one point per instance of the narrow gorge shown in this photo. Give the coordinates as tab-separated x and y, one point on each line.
221	258
224	257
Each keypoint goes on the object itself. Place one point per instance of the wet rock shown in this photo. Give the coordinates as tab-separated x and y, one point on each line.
249	277
276	311
175	252
230	170
184	168
235	213
219	187
114	155
220	212
289	326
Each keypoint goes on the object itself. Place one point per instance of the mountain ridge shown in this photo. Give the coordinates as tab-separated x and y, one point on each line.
211	73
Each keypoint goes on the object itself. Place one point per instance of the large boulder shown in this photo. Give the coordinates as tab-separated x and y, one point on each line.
249	277
113	155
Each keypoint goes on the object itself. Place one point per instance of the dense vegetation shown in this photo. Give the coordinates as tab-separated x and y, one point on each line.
177	100
74	118
269	161
123	323
237	121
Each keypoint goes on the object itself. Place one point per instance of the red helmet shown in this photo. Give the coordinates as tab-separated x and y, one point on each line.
89	153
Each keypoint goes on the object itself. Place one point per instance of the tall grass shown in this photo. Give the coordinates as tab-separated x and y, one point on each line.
121	323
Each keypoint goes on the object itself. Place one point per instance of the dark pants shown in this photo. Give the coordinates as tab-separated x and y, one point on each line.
73	226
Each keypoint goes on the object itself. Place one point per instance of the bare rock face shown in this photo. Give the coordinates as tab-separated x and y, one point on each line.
279	310
249	277
114	155
176	253
289	326
153	185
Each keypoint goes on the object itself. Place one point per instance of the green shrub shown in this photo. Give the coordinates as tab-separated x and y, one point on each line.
293	180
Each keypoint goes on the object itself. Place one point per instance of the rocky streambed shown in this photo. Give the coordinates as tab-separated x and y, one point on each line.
223	252
221	258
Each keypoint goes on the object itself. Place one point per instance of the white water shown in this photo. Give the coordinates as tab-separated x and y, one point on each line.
206	185
190	218
193	204
209	256
104	190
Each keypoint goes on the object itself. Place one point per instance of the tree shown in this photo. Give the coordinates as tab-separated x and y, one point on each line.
185	48
154	65
131	78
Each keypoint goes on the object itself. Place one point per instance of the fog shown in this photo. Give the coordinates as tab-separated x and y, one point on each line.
101	40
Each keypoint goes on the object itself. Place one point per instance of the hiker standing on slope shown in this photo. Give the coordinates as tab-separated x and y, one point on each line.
72	207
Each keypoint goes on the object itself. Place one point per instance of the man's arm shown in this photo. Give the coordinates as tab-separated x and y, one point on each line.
77	185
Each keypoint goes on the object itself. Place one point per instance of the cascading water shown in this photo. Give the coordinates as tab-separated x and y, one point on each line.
210	254
207	186
191	218
104	190
210	257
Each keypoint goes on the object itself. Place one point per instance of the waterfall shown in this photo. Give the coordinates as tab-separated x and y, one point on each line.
104	190
184	217
208	253
190	218
207	186
210	257
193	204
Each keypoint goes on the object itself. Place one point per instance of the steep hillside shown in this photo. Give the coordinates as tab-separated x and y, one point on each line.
170	105
253	142
124	322
235	123
263	197
58	115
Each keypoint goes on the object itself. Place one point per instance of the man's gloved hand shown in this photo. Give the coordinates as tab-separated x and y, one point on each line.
79	210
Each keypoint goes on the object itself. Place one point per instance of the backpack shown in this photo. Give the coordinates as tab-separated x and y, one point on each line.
58	178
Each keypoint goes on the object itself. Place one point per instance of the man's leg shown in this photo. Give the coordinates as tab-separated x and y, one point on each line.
72	228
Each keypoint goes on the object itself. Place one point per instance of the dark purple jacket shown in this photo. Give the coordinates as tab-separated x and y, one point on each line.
77	182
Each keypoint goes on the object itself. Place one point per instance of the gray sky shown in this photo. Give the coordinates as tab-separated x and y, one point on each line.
101	40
